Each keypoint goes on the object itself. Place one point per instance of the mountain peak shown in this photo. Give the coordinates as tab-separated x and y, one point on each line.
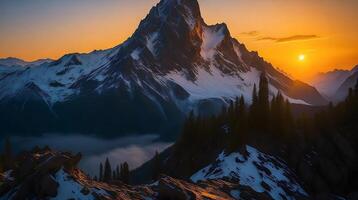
174	12
167	6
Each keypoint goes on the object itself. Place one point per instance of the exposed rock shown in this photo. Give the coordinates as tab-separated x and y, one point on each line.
47	187
85	191
164	70
53	170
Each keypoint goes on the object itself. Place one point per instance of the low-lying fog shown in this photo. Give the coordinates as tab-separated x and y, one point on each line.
135	149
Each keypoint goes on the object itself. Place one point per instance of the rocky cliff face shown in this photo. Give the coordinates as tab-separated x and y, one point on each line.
45	174
173	63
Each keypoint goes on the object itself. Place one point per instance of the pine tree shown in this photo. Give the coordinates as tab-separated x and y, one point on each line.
253	108
241	105
288	119
188	126
263	102
100	172
237	105
156	166
107	176
273	115
231	114
7	158
263	92
238	136
124	173
254	96
355	103
117	173
1	163
277	113
350	94
242	115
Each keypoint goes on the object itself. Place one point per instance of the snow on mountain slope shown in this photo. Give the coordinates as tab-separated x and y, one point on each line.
171	64
261	172
54	175
350	82
215	84
211	74
56	78
13	62
5	70
211	39
68	188
328	83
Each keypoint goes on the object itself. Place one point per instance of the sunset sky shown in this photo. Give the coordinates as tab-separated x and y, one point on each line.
301	37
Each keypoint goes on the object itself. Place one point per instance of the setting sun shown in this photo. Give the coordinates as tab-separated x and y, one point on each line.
166	99
301	57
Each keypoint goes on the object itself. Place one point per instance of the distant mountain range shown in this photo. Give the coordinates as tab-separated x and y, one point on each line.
334	85
16	62
173	63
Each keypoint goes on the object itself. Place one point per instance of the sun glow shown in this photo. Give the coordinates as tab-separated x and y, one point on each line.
301	57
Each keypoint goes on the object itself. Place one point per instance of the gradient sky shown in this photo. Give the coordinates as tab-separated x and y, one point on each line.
325	31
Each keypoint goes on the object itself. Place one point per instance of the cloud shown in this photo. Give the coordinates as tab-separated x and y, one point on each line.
134	155
133	149
290	38
250	33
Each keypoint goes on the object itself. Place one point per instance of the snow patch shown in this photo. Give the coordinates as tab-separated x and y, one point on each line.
235	194
135	54
7	175
211	39
70	189
249	171
151	42
54	79
214	84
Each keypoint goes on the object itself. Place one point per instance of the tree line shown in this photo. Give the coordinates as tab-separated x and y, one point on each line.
119	173
239	122
6	158
122	171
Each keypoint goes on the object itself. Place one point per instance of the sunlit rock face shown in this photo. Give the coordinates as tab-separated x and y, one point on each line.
259	171
172	63
47	174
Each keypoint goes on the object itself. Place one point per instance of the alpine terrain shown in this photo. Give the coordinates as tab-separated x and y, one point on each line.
334	85
241	128
173	63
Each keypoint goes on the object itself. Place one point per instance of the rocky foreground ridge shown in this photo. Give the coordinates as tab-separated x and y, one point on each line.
47	174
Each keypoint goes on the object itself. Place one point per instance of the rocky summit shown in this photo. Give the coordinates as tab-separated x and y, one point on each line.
46	174
173	63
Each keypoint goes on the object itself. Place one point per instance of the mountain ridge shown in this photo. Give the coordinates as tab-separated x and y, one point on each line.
335	84
54	175
173	63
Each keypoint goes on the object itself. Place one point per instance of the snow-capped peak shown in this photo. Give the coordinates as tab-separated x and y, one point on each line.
174	13
16	62
261	172
173	61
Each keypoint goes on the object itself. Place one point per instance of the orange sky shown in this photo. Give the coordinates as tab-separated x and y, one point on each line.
324	31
